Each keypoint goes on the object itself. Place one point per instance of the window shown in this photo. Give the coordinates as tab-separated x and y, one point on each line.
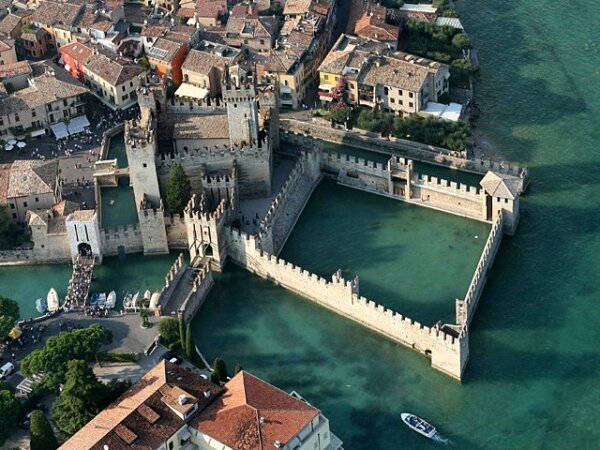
326	77
285	82
25	205
131	84
171	445
12	206
337	78
17	119
14	216
411	95
392	100
411	104
262	42
144	165
399	91
245	41
65	102
1	121
33	113
37	199
386	91
66	113
400	102
123	88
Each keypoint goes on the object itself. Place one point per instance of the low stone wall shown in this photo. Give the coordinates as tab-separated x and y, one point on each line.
448	354
465	309
24	257
413	150
287	206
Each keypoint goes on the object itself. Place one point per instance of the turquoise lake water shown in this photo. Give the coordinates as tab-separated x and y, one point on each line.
532	379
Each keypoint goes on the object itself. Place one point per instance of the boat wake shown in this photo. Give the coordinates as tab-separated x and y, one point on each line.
439	439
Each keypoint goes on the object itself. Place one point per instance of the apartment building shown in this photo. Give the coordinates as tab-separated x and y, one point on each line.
58	19
377	77
249	31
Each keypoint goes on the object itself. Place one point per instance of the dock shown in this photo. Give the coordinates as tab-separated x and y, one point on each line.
79	284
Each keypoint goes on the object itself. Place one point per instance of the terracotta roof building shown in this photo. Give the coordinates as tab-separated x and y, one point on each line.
29	185
245	29
174	408
371	20
113	80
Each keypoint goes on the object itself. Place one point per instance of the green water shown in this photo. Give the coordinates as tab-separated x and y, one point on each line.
116	150
532	379
413	269
118	206
126	273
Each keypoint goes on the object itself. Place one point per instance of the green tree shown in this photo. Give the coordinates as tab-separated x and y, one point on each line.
144	314
54	357
238	369
11	235
9	314
219	370
82	397
463	65
9	411
461	41
340	113
168	329
179	189
190	350
378	122
42	436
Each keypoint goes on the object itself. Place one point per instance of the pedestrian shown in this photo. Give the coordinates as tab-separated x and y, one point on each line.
14	356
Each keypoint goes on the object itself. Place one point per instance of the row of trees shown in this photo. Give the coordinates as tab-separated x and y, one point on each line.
54	357
428	130
175	336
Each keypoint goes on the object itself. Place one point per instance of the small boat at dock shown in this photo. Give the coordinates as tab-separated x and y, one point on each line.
94	299
52	300
41	306
419	425
128	300
102	300
111	300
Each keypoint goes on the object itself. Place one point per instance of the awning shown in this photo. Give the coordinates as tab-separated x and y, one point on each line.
326	87
39	132
60	130
78	124
15	333
191	91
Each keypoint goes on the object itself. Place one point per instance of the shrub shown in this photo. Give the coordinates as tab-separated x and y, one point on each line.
42	436
169	332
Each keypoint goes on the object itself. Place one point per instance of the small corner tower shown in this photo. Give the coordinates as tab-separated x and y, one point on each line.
502	196
242	110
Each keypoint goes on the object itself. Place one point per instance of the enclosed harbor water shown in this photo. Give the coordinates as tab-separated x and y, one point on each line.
532	379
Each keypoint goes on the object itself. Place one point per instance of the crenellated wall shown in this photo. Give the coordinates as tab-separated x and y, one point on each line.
253	166
289	203
129	237
448	353
201	286
449	196
465	309
153	228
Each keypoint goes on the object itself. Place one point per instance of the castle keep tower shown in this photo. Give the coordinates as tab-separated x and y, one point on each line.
242	111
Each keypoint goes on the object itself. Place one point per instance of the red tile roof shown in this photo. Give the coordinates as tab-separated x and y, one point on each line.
251	414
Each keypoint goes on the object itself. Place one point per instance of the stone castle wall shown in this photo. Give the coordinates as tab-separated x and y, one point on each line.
153	228
295	129
290	202
201	286
449	196
34	256
465	309
176	232
448	353
129	237
253	166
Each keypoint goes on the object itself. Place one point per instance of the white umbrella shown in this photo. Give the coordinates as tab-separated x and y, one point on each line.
21	144
8	147
12	142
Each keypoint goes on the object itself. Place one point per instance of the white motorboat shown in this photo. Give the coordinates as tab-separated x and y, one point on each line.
419	425
135	300
102	300
128	300
52	300
147	295
111	300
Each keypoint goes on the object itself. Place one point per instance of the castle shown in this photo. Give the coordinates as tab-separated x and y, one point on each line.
233	162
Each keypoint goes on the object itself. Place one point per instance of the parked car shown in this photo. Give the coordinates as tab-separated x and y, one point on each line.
6	370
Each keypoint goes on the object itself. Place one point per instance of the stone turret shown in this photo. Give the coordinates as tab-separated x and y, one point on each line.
242	110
